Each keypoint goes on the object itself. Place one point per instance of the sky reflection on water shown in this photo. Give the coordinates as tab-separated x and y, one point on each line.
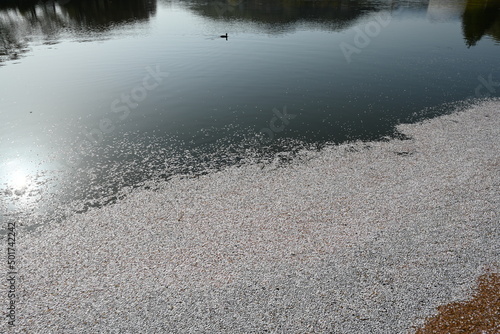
343	70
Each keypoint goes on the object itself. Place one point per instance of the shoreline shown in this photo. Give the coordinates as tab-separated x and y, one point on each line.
360	237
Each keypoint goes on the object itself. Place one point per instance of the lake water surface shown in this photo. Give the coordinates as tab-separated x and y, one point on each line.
96	96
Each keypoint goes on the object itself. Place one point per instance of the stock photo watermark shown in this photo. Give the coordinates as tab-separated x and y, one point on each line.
121	107
486	86
11	273
370	30
363	37
283	119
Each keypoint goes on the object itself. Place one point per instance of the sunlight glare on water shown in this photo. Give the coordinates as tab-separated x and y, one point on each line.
77	123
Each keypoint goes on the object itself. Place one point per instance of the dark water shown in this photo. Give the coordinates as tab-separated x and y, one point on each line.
100	95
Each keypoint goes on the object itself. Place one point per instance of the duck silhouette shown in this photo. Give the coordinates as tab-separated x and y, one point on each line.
224	36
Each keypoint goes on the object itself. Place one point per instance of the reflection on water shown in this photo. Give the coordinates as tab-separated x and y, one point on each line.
49	21
481	18
22	22
280	55
284	16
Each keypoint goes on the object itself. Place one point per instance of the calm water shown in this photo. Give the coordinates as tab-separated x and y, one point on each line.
100	95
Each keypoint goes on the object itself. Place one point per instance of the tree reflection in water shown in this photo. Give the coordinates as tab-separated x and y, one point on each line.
21	20
50	20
